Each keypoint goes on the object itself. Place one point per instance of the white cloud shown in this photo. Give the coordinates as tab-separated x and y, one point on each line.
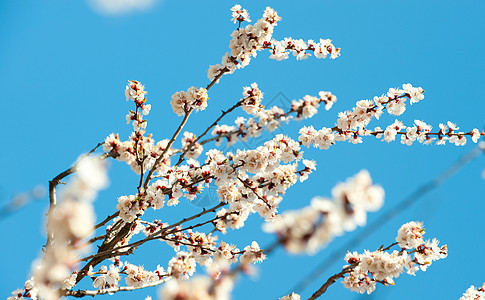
120	7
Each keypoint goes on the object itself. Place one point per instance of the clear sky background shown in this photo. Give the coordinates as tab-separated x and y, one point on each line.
64	66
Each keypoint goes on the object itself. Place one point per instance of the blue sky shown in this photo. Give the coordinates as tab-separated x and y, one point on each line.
63	69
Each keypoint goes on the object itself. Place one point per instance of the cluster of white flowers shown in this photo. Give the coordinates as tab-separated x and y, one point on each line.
226	131
252	254
175	181
200	245
130	207
312	227
239	14
247	41
392	130
135	276
380	266
252	99
449	133
260	192
194	98
351	124
224	256
322	138
473	293
182	265
135	91
109	278
422	133
308	107
195	150
410	235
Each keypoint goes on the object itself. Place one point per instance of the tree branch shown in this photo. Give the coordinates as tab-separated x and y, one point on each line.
332	280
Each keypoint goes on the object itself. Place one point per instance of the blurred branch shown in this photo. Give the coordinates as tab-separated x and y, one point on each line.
21	200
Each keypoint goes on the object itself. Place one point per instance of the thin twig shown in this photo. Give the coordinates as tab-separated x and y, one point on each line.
332	280
162	156
102	223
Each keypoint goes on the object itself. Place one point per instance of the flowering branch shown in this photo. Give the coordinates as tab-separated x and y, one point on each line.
83	293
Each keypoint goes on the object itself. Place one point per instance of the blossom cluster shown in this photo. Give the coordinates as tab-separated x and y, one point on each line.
260	192
195	149
312	227
247	41
308	106
194	98
135	276
239	14
252	99
380	266
135	91
473	293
